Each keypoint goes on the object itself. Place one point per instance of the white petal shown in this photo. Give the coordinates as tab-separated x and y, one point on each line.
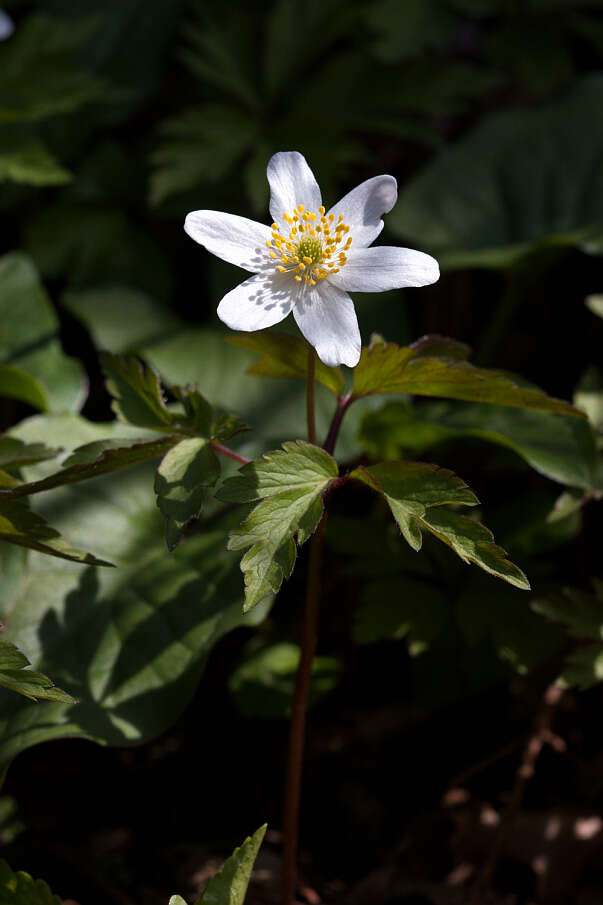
291	183
363	207
326	317
234	239
6	26
381	268
259	302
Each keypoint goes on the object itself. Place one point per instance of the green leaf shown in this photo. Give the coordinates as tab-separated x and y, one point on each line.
18	384
229	886
33	685
285	355
183	474
19	525
29	340
129	643
136	391
401	607
559	447
518	181
588	396
386	368
584	666
23	158
263	683
409	488
580	611
94	459
595	304
119	318
18	888
290	483
15	454
415	493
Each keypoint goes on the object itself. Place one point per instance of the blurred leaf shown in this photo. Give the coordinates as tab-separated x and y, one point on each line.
579	611
20	889
388	368
567	503
415	493
17	384
29	339
119	318
561	448
87	244
15	454
130	643
595	303
262	684
534	51
521	638
584	666
19	525
289	482
23	158
284	355
401	607
182	476
33	685
41	75
229	886
200	145
518	180
588	396
405	29
95	459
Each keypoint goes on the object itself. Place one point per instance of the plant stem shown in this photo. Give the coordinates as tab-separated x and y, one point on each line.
229	453
310	395
342	407
298	718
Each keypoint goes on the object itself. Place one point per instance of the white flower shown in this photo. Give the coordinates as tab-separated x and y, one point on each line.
6	25
309	257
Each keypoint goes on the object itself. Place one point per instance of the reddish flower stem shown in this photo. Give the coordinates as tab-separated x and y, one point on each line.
230	453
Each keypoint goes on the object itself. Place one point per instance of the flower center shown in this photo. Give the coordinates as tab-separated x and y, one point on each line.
314	247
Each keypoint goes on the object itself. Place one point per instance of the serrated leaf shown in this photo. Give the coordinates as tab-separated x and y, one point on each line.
387	368
19	525
415	494
518	181
182	476
136	391
18	888
129	643
229	886
31	684
410	488
290	483
559	447
286	355
474	543
29	340
94	459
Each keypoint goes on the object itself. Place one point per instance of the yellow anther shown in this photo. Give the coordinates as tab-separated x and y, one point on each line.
335	270
273	255
300	208
306	259
268	243
301	266
312	282
298	278
340	218
285	259
281	268
331	217
319	229
312	216
321	210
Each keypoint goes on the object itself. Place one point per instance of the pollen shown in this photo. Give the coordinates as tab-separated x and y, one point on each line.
311	247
